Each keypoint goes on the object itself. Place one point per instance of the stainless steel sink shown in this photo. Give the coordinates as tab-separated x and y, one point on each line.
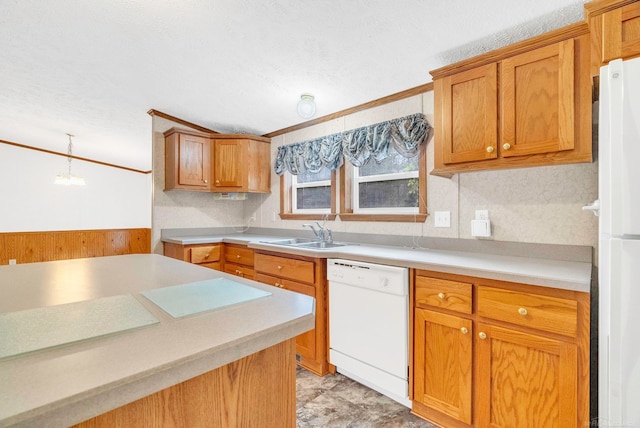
321	245
291	241
306	243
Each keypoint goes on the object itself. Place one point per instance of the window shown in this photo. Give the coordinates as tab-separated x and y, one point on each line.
311	192
393	190
308	196
389	186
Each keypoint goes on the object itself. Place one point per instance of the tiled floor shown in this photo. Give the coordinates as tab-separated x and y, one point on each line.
337	401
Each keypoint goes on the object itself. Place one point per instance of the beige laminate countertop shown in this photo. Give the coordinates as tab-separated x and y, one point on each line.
65	385
567	275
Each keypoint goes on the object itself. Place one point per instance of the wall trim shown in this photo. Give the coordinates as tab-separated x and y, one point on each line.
66	155
154	112
370	104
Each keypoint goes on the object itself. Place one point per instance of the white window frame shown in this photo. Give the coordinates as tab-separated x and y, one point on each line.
294	196
357	179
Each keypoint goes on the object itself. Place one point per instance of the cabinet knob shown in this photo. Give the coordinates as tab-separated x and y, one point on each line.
217	181
464	330
280	267
237	256
506	146
238	272
276	284
442	296
207	256
522	311
482	335
205	181
490	149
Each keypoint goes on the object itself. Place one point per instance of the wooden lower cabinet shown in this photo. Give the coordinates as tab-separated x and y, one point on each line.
305	275
206	255
519	358
525	380
306	342
443	363
238	260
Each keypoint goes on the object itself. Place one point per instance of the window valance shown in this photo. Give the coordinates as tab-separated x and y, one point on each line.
358	146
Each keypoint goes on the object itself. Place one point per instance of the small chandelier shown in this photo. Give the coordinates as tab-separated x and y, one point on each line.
306	106
68	179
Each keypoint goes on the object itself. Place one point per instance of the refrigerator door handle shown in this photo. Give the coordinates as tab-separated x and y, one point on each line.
594	207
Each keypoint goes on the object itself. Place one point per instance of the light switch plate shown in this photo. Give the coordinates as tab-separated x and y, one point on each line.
442	219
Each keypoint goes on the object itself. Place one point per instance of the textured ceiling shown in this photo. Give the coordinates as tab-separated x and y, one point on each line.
94	68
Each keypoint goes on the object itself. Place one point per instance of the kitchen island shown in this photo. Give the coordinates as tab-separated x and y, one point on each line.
232	366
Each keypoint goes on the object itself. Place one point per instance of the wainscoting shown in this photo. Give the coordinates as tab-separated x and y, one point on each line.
29	247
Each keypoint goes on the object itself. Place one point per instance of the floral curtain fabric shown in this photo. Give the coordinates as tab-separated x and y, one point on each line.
358	146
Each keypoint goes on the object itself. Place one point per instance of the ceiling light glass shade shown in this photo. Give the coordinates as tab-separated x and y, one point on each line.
306	106
69	180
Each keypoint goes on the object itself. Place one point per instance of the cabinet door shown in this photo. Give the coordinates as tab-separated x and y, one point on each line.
621	33
194	161
306	342
538	93
468	115
525	380
229	164
442	363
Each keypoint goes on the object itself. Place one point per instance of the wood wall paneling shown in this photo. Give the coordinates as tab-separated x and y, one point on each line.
30	247
255	391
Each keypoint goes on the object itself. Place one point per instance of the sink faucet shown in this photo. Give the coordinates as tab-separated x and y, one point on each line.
323	234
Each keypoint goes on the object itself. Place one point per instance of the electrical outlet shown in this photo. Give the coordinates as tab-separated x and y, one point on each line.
12	261
442	219
482	215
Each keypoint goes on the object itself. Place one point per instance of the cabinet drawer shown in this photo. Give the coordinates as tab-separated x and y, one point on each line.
241	256
238	270
308	290
209	253
281	267
552	314
442	293
212	265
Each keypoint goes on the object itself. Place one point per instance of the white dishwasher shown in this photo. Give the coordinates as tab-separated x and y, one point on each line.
368	325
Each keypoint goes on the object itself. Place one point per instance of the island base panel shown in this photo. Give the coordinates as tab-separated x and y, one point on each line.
255	391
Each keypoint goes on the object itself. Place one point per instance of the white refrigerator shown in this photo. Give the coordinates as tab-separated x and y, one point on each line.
619	245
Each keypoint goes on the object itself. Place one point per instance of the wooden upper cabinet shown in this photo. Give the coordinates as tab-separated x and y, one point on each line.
524	105
241	164
229	167
615	29
217	162
187	160
469	125
537	90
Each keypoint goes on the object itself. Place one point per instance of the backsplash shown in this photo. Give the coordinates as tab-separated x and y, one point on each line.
537	205
181	209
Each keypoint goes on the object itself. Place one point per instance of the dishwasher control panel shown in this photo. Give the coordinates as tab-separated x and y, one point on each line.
383	278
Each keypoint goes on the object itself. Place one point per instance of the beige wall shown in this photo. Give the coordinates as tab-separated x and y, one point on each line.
178	209
540	205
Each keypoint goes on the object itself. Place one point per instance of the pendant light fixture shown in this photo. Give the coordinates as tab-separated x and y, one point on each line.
68	179
306	106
